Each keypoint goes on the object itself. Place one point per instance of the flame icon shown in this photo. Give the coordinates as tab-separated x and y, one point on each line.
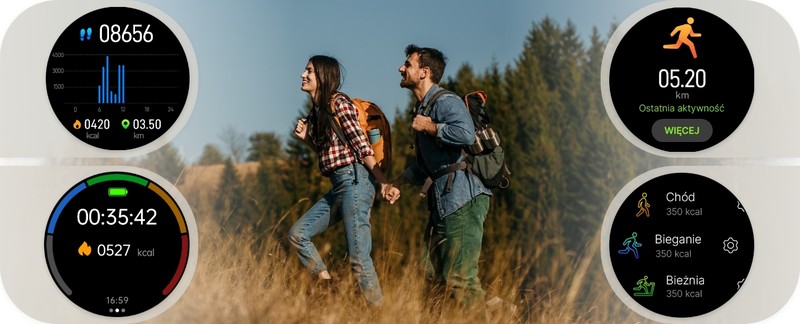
85	249
77	124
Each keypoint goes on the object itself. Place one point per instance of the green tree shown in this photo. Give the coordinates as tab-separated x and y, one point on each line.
264	146
465	81
165	162
532	146
211	155
229	204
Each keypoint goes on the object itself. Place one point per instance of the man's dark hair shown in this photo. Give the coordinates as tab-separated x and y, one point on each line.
430	58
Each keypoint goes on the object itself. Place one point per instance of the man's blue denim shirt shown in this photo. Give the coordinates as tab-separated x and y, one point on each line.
454	130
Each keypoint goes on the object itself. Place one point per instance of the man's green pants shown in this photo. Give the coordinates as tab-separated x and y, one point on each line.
454	247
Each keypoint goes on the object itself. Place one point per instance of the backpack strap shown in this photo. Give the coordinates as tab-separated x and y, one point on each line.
340	134
450	169
426	109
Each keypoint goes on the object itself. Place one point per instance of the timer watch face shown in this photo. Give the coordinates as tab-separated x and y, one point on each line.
116	244
117	78
681	245
681	80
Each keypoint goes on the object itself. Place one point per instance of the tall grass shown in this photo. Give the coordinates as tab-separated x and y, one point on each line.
248	276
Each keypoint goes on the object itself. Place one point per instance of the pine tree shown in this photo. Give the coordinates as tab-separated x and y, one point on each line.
535	154
264	146
211	155
165	162
228	206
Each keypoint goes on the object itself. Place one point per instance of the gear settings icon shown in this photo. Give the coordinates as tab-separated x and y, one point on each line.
730	245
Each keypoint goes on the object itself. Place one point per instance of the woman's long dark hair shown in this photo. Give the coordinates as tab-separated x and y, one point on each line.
329	79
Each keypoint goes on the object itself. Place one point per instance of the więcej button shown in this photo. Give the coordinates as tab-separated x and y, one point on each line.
682	130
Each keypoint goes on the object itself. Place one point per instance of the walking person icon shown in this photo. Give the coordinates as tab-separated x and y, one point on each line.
631	245
643	205
684	32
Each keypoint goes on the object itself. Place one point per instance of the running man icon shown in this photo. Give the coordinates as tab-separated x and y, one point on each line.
631	245
684	32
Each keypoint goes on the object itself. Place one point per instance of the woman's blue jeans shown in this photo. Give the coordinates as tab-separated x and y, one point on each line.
351	203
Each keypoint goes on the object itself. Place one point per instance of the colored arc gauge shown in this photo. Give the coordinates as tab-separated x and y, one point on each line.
117	244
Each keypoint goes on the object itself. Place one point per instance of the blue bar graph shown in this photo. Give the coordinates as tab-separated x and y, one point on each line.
104	93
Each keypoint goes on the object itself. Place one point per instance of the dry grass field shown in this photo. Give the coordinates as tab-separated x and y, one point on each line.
248	277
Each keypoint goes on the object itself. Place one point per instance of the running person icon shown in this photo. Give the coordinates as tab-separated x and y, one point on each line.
684	32
631	245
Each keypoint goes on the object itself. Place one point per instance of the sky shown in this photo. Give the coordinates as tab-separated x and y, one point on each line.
251	53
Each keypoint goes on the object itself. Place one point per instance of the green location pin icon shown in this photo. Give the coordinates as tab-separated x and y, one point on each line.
125	123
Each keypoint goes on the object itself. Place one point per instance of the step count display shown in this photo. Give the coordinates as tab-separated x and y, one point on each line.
117	78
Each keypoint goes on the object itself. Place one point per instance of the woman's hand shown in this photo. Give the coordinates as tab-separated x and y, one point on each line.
300	129
390	193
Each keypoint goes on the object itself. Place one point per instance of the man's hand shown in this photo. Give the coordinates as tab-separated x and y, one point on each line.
423	124
390	193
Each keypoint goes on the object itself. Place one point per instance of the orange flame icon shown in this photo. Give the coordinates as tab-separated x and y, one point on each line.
85	249
77	124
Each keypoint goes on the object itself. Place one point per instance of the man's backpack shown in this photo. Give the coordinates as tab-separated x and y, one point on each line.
377	129
485	158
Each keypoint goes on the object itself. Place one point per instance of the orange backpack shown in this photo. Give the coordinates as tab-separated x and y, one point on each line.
377	129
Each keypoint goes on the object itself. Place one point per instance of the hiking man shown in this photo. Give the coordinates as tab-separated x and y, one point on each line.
458	202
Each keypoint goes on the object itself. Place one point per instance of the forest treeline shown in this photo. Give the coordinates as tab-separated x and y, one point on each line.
567	162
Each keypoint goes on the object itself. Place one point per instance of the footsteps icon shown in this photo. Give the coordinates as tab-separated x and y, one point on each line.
86	34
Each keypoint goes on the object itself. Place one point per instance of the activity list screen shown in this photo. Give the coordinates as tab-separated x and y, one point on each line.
681	245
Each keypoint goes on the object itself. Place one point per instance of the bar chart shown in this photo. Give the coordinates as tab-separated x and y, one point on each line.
105	93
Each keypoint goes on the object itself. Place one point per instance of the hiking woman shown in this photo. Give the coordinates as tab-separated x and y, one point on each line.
350	172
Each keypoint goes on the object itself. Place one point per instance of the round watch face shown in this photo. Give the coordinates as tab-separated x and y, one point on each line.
117	78
681	245
116	244
681	80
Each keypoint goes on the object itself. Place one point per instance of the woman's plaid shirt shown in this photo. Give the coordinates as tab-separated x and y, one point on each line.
336	153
